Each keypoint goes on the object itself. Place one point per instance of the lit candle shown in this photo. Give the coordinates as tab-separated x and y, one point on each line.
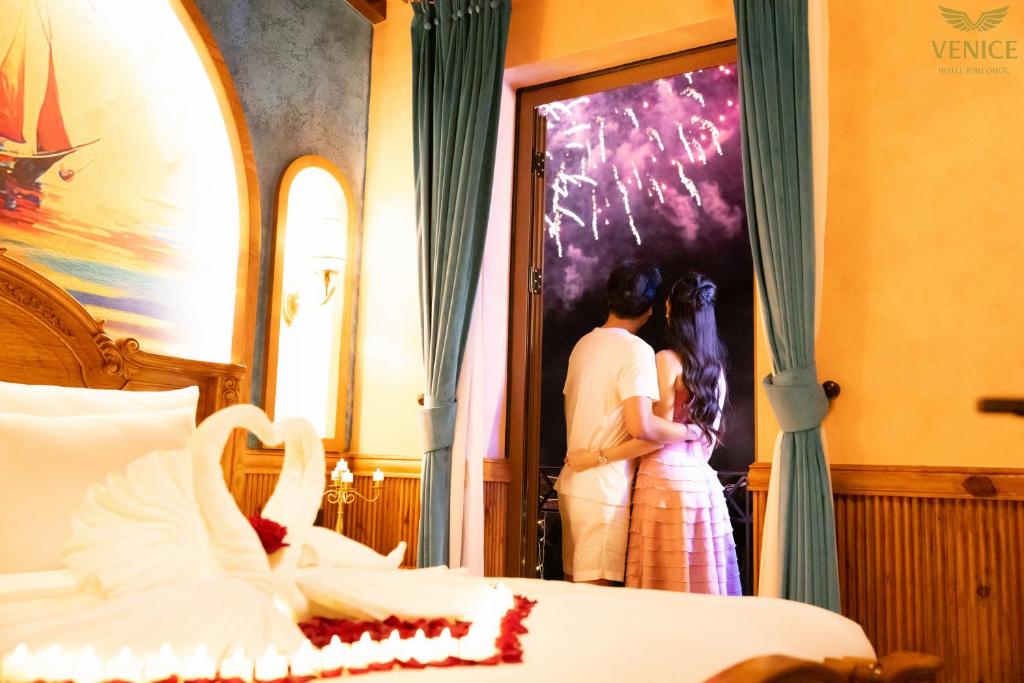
346	477
364	652
343	464
392	648
198	665
307	660
237	666
475	646
335	655
123	667
271	665
89	668
506	599
54	665
161	666
448	646
16	665
378	475
419	649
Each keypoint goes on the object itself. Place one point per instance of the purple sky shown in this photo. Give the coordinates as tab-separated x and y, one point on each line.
669	148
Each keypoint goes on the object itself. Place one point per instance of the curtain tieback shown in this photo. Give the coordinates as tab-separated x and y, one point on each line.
797	399
438	420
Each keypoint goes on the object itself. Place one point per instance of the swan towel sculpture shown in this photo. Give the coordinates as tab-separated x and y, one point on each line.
161	554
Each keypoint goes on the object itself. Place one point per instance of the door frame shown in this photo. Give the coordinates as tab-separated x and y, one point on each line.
522	438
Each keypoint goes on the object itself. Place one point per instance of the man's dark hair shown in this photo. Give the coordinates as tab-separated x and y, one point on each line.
632	288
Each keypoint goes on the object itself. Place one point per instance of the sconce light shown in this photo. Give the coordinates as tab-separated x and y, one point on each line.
316	271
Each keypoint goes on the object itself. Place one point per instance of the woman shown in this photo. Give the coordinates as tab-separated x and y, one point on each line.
680	536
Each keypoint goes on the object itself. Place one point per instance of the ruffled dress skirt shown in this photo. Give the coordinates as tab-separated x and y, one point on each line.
680	536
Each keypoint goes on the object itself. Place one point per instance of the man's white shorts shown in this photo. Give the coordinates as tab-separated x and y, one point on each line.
594	538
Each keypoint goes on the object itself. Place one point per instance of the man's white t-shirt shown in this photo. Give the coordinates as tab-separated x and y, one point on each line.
607	366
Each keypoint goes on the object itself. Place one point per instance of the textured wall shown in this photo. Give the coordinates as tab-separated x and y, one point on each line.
302	72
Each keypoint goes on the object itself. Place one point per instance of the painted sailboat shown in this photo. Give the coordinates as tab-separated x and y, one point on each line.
21	166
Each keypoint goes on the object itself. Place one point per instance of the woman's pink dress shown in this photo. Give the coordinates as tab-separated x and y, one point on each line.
680	536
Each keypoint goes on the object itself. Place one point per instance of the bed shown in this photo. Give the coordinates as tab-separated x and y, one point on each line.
576	632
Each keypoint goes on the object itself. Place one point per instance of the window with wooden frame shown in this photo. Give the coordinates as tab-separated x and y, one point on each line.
309	350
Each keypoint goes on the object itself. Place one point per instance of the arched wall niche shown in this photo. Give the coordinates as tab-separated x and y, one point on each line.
312	312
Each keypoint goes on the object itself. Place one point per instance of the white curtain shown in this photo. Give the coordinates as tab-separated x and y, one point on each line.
480	407
466	544
769	583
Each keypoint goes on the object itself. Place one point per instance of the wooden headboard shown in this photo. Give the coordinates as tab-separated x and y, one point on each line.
46	337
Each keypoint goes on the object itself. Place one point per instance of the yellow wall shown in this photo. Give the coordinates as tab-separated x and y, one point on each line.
922	310
389	365
920	305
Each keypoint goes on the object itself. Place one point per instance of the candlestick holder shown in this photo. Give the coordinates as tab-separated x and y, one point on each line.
341	491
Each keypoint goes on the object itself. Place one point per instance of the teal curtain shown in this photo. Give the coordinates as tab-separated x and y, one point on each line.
458	60
775	98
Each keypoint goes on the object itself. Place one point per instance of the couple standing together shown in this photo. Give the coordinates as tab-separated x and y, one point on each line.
624	402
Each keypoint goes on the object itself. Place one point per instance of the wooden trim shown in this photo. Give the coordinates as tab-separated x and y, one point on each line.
525	311
400	466
269	460
497	470
247	287
392	465
914	481
374	11
343	422
627	74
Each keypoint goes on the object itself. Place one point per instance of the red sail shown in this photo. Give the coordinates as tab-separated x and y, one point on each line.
50	133
12	87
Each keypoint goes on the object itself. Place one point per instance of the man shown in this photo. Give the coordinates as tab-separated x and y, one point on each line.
609	391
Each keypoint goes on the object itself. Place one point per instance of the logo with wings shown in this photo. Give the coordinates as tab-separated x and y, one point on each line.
986	21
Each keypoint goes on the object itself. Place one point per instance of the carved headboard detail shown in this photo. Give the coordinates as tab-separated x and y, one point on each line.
46	337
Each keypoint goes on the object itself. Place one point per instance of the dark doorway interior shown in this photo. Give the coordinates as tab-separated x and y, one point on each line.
648	169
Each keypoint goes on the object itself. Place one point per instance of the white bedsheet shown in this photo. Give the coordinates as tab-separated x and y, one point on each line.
593	634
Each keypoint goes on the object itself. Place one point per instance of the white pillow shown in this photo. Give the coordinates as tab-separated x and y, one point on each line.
50	401
48	463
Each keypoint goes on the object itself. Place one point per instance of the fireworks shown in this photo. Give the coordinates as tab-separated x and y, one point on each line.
625	203
615	146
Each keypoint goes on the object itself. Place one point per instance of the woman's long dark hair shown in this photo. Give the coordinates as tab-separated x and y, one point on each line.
693	335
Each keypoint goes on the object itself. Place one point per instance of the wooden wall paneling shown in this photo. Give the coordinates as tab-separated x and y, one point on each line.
380	525
496	484
395	517
758	503
929	560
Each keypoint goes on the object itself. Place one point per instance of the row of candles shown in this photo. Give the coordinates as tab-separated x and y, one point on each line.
57	664
342	473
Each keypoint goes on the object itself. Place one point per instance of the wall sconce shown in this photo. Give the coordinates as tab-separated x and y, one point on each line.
323	270
317	271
